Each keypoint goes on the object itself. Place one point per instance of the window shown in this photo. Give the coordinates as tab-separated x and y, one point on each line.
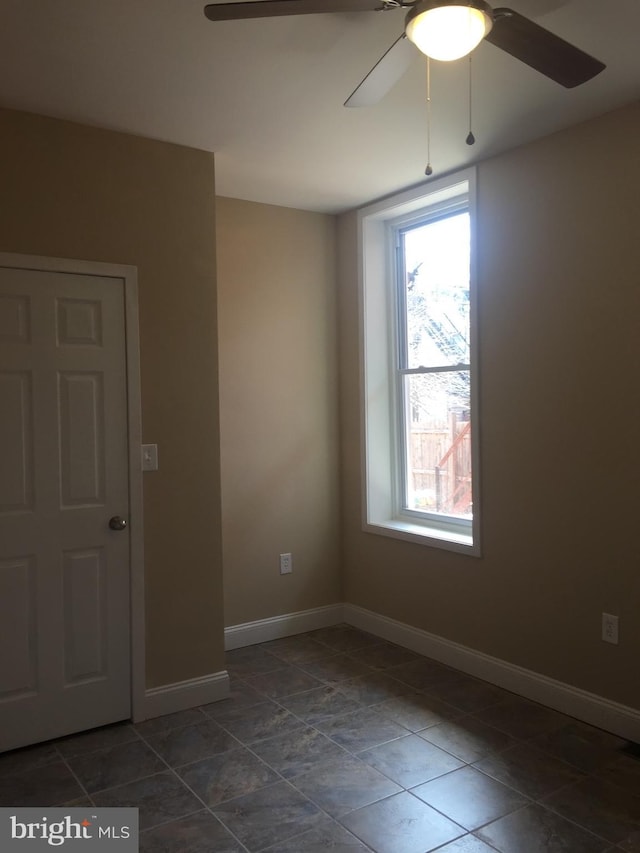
418	358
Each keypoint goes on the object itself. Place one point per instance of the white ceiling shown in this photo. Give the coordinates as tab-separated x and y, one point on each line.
266	95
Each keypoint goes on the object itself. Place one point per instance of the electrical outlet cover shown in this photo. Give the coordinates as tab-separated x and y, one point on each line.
286	564
610	628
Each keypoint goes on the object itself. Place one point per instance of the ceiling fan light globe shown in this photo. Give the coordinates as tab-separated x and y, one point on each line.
448	32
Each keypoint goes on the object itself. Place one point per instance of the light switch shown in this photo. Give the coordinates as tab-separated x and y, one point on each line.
149	457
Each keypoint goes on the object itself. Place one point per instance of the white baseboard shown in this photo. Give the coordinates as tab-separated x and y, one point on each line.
250	633
596	710
589	707
185	694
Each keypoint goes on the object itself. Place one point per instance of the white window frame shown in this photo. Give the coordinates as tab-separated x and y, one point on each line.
381	425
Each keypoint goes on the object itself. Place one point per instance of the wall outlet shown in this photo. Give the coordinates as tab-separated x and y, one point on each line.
286	564
610	628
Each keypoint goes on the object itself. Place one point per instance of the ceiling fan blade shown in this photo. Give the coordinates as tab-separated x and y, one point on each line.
541	49
274	8
383	76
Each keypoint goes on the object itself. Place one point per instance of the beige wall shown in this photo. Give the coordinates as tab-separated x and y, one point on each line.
76	192
278	403
559	298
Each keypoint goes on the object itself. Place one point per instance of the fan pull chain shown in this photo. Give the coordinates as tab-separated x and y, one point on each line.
429	169
470	140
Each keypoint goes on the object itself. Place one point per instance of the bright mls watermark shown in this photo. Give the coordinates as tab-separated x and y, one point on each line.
86	829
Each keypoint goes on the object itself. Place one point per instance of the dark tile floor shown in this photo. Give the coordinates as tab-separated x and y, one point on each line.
336	740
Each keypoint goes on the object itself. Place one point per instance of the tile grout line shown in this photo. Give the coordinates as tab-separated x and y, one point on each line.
75	776
248	748
197	796
351	754
306	724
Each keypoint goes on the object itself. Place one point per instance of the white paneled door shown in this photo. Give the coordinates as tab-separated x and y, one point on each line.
64	571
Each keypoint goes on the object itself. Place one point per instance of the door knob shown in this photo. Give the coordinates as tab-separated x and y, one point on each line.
117	523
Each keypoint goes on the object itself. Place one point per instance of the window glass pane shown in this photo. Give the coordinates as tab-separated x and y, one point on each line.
438	443
436	298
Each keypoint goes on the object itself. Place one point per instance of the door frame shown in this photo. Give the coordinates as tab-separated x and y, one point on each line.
128	275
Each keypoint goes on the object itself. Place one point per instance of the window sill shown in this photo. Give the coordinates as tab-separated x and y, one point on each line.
425	534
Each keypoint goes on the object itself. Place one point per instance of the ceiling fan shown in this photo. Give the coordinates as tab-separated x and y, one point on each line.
441	29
